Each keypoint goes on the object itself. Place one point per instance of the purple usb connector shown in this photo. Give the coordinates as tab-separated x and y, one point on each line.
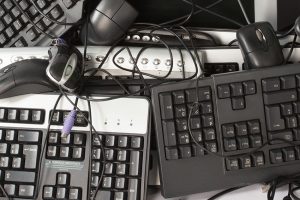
68	123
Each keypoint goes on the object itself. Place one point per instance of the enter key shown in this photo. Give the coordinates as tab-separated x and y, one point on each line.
273	118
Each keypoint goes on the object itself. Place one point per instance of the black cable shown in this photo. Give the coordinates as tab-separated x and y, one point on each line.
53	20
189	16
244	11
91	152
232	42
222	193
32	23
4	192
39	169
216	14
283	35
291	50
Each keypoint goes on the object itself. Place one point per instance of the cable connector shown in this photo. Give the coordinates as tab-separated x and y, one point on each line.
68	123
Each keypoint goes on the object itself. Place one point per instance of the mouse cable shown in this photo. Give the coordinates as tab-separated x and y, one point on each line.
96	134
31	22
4	192
288	33
222	193
291	50
189	16
53	20
244	11
43	148
232	42
216	14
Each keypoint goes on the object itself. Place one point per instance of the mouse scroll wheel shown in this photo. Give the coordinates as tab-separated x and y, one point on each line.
260	36
68	70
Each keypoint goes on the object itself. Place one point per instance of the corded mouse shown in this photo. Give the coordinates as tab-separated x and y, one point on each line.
25	77
259	45
108	22
65	66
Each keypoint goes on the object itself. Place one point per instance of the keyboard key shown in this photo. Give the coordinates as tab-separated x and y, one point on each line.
2	26
195	123
197	134
249	87
232	164
10	189
3	148
61	193
236	89
28	136
136	142
270	85
211	146
254	127
104	194
296	106
255	141
37	116
243	142
106	182
120	183
288	82
31	155
7	19
110	141
183	138
12	114
206	108
197	151
223	91
14	149
8	4
57	117
204	94
56	12
108	168
122	155
286	109
207	120
16	163
171	153
193	109
52	151
24	115
238	103
258	159
65	140
32	11
280	97
74	193
48	192
133	185
69	4
3	39
15	12
96	154
2	114
291	122
119	196
4	161
283	135
23	4
246	162
178	97
79	139
10	135
241	129
94	182
78	153
2	11
10	32
180	111
121	169
53	138
42	4
109	154
32	34
134	163
289	154
230	144
167	106
63	179
276	156
26	190
181	124
96	167
122	141
191	95
209	134
19	176
273	119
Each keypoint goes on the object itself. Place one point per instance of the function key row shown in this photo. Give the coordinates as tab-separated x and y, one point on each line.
134	142
20	115
65	153
280	83
60	115
255	160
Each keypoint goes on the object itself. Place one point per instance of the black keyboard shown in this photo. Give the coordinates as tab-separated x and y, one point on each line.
236	114
71	166
17	31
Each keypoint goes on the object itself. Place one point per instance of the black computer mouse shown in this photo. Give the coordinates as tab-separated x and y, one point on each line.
259	45
108	22
25	77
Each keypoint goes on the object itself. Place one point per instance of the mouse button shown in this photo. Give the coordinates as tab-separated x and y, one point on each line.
109	7
248	39
57	66
125	22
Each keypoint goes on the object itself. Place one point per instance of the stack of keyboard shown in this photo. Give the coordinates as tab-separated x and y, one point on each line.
71	166
16	29
237	113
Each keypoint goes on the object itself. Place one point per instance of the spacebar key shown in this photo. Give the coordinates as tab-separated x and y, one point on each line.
280	97
19	176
